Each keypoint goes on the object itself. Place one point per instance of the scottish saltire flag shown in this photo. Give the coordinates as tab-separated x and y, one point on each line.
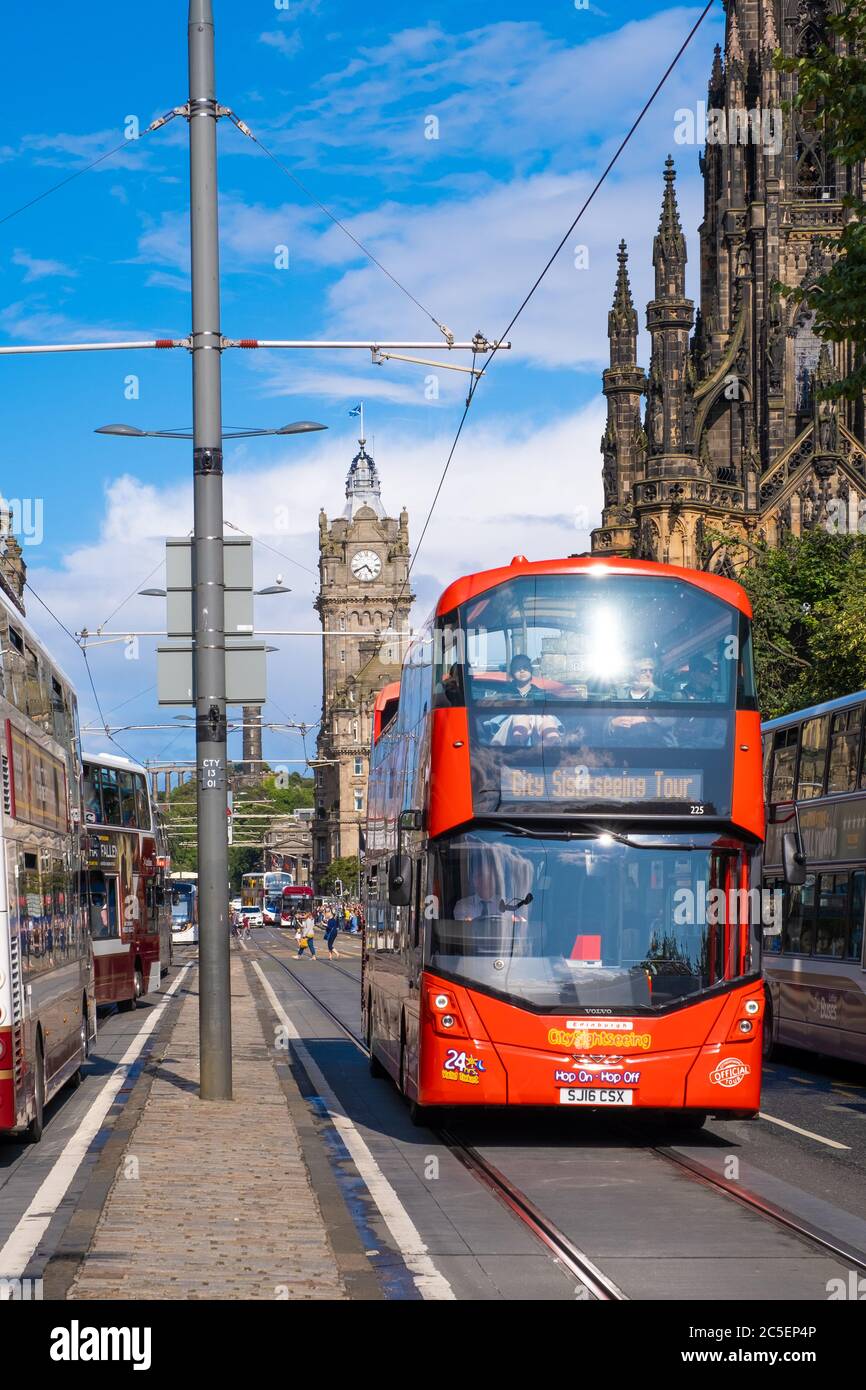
356	411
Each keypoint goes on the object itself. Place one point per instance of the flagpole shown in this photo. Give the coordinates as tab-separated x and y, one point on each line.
363	436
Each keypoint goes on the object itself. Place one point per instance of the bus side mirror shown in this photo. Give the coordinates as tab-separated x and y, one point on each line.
400	880
793	860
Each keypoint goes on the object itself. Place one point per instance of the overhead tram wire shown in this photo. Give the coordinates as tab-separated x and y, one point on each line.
245	130
257	540
77	173
526	299
83	651
132	595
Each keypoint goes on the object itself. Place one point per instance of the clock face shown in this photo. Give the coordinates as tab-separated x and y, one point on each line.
366	565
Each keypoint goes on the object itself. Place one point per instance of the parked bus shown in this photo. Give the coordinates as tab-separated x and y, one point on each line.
184	908
273	883
47	1005
564	831
297	898
126	891
814	962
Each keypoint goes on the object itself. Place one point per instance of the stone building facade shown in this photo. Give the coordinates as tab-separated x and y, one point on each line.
13	570
733	438
363	593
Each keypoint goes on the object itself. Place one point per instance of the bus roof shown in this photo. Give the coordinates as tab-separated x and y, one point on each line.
828	707
16	617
113	760
461	590
389	695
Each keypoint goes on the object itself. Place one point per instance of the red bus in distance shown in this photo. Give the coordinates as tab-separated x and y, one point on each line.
128	902
297	898
564	830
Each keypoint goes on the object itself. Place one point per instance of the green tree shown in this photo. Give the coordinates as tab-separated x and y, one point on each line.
346	870
834	84
809	601
278	794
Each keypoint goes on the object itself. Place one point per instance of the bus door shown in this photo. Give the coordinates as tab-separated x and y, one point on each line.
111	951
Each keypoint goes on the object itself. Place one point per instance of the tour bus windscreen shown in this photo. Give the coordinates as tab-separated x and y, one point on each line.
598	693
568	922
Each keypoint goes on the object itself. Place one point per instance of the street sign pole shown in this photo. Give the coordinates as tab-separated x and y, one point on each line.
209	671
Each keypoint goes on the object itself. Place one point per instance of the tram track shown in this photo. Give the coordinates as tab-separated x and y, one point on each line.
700	1172
600	1286
554	1241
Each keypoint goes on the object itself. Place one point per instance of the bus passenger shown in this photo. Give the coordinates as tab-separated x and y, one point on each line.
699	682
521	687
528	731
638	728
483	900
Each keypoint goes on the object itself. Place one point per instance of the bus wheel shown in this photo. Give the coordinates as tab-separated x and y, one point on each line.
33	1132
418	1114
77	1077
137	990
690	1121
768	1044
375	1066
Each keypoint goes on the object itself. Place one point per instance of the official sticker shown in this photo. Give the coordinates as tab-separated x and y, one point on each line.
730	1072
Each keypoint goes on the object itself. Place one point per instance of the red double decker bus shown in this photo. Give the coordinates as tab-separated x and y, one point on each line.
128	902
297	898
563	846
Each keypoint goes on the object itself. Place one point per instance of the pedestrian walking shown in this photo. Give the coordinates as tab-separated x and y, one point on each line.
304	936
331	933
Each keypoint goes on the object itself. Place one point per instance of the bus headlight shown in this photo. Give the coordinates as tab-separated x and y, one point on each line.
447	1021
752	1006
441	1001
745	1025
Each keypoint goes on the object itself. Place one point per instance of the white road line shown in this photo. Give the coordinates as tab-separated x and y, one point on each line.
428	1280
807	1133
23	1241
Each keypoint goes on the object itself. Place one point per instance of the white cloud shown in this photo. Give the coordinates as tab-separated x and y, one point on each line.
287	44
40	269
38	325
508	491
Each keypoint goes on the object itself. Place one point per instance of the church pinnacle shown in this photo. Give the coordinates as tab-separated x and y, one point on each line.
669	247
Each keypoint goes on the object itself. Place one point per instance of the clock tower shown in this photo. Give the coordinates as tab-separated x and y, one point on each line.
363	603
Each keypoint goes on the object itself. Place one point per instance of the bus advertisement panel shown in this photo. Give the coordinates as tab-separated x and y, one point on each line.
47	1006
563	846
252	886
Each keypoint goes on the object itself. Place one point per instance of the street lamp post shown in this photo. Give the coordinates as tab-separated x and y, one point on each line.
209	670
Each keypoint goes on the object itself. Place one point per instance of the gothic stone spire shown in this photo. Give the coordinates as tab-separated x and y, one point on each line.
622	319
669	247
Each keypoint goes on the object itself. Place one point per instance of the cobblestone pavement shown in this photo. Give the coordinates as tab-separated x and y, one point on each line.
212	1200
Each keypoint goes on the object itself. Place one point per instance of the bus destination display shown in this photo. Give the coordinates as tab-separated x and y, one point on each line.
636	785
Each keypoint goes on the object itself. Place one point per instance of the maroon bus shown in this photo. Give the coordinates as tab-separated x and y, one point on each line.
297	898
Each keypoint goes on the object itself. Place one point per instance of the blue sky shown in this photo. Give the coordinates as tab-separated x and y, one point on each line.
530	103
